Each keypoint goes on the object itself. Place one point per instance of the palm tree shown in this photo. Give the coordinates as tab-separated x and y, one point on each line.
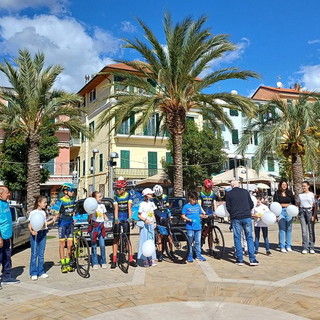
34	108
174	87
287	129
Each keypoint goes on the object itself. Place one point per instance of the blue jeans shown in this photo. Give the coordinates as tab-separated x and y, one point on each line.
257	237
38	245
285	229
5	259
237	226
102	252
194	237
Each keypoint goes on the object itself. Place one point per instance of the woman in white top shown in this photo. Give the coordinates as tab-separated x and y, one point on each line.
308	215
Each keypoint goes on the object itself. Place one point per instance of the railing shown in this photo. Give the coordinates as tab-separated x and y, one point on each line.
136	173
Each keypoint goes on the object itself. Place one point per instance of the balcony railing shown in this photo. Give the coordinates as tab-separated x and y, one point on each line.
136	173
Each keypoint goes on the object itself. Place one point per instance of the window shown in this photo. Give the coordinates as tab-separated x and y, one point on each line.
151	127
101	162
124	159
169	159
255	138
289	102
233	112
84	167
83	137
126	126
153	84
223	127
190	118
270	164
226	145
118	86
91	126
49	166
152	163
235	136
92	95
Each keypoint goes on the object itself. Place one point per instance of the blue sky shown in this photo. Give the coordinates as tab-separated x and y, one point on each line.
274	38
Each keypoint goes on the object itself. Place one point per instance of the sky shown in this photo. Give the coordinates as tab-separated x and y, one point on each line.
278	39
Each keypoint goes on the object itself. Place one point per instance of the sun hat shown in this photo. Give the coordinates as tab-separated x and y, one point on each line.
147	191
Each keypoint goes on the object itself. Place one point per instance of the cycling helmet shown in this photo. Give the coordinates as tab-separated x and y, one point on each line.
68	186
158	191
208	184
121	184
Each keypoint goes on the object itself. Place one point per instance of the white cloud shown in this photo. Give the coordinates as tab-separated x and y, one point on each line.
54	6
64	41
310	77
314	41
127	26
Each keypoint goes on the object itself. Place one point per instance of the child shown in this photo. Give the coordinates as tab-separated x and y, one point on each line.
97	232
258	210
146	214
38	240
192	214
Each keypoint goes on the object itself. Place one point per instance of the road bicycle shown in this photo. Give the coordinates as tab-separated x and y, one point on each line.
80	253
123	251
214	237
174	242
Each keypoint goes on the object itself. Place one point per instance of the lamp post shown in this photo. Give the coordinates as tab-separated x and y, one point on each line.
111	164
93	169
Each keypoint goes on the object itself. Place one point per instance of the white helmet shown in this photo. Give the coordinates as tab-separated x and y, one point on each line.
158	191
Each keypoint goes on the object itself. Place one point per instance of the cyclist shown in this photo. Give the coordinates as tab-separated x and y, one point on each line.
64	209
122	216
161	213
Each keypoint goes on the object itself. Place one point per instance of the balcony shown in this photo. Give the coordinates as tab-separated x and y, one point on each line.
136	173
75	142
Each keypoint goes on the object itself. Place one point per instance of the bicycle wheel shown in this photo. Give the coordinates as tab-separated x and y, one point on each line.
82	254
215	237
123	253
178	241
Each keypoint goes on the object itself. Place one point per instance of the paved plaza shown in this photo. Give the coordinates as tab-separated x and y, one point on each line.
284	286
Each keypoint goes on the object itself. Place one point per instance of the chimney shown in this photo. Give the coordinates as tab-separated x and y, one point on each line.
297	86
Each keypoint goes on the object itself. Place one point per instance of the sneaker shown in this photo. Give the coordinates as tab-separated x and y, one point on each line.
283	250
246	253
10	281
44	276
95	267
239	263
153	264
64	269
268	253
312	251
160	257
70	269
190	259
113	265
201	258
256	252
304	251
133	264
34	278
289	249
104	266
254	263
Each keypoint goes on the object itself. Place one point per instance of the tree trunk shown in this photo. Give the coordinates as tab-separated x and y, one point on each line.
34	177
177	170
297	174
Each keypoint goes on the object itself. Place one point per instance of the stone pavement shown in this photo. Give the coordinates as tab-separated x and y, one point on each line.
284	286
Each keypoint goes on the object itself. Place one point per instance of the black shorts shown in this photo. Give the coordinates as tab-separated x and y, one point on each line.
126	228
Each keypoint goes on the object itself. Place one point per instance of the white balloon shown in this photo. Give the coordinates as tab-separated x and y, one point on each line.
37	220
148	248
222	211
268	217
90	205
254	200
292	210
276	208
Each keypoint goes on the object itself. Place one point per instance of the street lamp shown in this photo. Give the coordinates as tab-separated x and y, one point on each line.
93	168
111	164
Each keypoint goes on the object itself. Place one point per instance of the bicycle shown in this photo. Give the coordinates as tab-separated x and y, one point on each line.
174	241
123	251
215	238
80	253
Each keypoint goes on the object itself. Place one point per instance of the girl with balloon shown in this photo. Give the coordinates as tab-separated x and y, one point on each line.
38	226
285	198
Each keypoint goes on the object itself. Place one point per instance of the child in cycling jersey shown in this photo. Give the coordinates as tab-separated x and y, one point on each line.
146	214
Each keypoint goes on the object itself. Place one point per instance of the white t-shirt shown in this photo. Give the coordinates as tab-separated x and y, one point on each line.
146	210
262	208
98	215
306	200
44	215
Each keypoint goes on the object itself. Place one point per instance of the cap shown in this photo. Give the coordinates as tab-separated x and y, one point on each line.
147	191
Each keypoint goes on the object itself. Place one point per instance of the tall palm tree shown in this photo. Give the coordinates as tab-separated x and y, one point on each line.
287	129
174	86
34	107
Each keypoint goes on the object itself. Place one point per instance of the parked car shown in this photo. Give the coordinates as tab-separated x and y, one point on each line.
21	233
81	218
175	206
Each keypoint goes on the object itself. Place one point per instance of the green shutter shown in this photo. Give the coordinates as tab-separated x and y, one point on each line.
235	136
84	167
91	126
169	159
125	159
233	112
255	138
270	164
152	163
101	162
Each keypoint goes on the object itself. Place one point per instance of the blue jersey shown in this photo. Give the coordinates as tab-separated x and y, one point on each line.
206	201
192	212
123	205
162	205
65	208
5	220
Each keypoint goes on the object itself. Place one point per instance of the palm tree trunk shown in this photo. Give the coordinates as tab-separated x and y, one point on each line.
178	170
33	178
297	174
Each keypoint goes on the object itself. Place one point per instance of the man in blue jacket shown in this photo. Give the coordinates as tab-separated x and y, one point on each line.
239	205
5	236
